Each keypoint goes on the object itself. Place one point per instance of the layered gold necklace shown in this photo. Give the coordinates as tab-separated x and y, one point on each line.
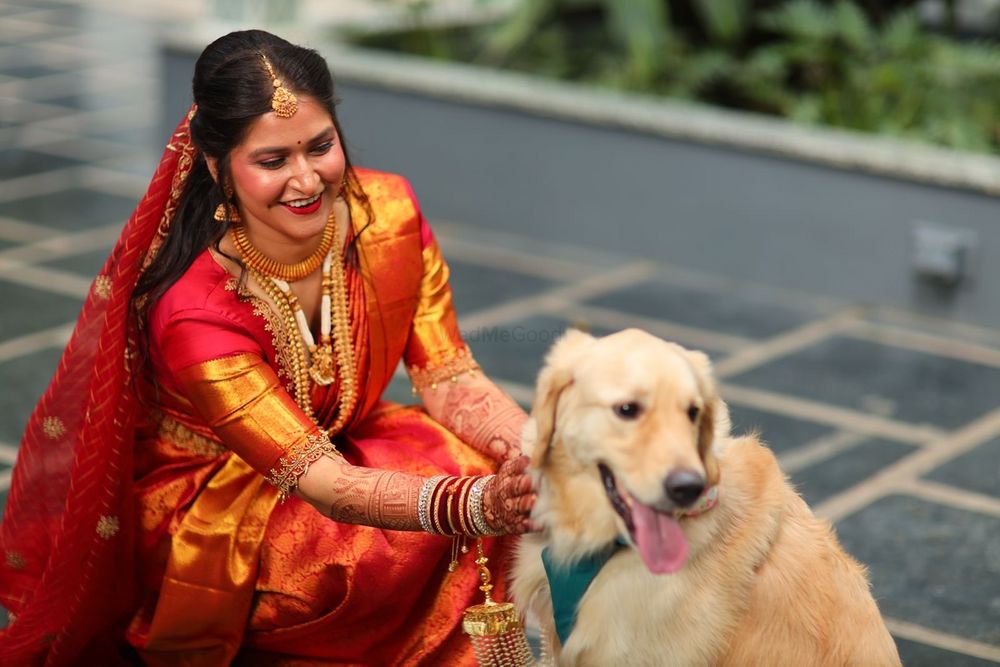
312	361
252	256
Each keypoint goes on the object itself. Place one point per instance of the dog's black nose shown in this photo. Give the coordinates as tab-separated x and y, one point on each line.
683	486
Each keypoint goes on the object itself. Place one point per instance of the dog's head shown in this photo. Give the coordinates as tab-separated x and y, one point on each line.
629	420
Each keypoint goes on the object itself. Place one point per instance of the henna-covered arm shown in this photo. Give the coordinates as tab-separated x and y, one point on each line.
480	413
365	496
391	500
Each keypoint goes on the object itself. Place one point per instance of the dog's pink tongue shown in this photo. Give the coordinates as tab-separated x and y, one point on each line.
660	540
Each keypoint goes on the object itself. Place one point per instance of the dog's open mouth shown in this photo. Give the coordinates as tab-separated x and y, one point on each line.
656	534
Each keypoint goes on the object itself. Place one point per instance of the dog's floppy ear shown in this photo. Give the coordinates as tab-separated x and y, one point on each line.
556	375
713	414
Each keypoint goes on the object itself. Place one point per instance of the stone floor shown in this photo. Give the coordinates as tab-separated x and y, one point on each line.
888	423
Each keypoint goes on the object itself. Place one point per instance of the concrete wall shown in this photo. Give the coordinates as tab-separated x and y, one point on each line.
725	209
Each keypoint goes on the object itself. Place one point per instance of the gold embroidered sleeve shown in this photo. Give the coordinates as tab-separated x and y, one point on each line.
242	401
435	339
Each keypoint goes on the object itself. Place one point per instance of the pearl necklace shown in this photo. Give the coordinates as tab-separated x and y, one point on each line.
255	259
314	361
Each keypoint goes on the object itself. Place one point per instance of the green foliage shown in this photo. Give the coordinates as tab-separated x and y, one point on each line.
866	66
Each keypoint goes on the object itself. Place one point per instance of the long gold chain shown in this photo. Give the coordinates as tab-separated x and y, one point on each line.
303	358
257	260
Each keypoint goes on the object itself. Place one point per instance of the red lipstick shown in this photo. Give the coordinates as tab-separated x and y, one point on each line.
306	210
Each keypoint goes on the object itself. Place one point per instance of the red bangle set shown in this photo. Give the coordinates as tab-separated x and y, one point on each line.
450	506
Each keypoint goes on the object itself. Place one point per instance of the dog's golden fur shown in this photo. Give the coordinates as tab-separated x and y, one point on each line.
765	582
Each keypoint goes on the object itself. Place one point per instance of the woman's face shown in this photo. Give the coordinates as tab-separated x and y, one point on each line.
286	175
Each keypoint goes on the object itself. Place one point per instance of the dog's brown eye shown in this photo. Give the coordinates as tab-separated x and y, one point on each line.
693	413
629	410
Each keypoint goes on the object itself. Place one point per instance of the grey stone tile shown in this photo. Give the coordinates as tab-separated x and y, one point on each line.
66	15
911	386
915	654
83	100
15	163
146	138
514	351
26	309
929	564
477	287
778	432
71	209
28	71
9	10
827	478
30	376
135	162
86	264
977	470
727	312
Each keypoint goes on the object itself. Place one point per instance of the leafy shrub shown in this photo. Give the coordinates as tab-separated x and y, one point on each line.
872	69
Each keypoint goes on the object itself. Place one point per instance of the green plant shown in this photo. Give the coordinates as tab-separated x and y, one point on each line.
864	65
833	65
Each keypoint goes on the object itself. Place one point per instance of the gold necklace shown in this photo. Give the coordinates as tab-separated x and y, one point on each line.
316	362
257	260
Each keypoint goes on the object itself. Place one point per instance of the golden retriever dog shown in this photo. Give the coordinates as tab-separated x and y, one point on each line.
712	558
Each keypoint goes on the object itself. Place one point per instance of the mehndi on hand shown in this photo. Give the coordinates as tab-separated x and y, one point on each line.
509	497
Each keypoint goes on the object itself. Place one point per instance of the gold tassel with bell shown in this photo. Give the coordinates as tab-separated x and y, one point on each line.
495	628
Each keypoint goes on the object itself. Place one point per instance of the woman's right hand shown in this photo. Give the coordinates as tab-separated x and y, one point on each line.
509	497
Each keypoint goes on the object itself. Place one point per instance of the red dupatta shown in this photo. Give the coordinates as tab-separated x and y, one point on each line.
67	532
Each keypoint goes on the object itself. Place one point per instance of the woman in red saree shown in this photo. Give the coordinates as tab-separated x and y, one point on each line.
232	352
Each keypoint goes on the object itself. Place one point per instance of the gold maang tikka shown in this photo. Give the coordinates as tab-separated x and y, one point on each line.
283	101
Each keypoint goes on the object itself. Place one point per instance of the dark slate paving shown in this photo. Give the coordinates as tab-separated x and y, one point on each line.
26	310
478	287
25	378
722	311
84	101
16	162
932	565
915	654
133	137
9	10
86	264
70	210
29	71
924	388
838	473
977	470
515	350
66	15
778	432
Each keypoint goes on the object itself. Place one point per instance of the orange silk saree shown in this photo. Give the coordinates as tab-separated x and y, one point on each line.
228	572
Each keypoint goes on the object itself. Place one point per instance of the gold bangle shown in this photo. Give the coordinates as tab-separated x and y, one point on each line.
450	503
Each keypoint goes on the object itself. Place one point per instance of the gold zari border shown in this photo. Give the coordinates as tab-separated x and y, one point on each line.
180	435
432	375
296	462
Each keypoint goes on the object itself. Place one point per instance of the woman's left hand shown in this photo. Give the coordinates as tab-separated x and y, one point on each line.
509	497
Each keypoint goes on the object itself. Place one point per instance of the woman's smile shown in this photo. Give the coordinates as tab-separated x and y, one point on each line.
306	206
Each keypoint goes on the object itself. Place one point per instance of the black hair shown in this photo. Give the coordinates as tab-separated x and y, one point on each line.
231	89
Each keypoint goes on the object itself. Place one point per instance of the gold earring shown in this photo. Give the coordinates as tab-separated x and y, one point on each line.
220	213
227	211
